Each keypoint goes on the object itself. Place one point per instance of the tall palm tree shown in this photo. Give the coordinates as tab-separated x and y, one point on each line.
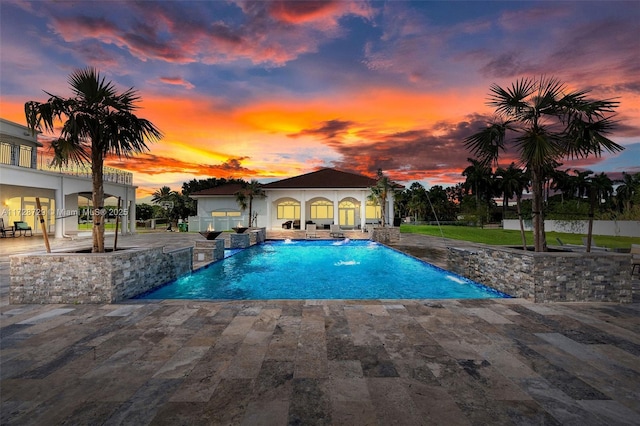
478	178
245	197
549	123
515	181
380	193
561	182
628	189
163	194
598	187
97	121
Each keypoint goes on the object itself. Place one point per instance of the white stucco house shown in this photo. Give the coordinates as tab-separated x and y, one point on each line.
25	174
324	197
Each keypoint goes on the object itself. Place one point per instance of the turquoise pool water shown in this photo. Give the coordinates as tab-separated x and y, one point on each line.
321	270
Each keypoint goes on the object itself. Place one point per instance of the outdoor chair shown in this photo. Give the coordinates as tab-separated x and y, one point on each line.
635	258
4	230
287	224
22	227
311	231
296	224
571	247
336	232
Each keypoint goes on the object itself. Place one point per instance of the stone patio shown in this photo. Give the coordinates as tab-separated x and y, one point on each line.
405	362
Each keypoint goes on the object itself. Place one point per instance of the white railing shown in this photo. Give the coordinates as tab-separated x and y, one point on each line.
25	156
109	174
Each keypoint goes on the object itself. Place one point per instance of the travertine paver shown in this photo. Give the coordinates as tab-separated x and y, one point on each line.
405	362
332	362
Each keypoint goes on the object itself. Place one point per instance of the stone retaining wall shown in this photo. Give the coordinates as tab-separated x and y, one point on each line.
386	235
208	250
94	277
549	276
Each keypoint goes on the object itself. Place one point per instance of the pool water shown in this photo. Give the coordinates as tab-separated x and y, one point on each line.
321	270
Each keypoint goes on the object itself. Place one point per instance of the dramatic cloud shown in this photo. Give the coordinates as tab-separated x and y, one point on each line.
177	81
328	130
271	89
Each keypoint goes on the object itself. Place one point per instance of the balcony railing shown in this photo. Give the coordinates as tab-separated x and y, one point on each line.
24	158
109	174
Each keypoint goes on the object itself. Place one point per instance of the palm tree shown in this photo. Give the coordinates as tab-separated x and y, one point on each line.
248	192
480	180
417	201
163	194
167	198
380	192
598	187
515	181
549	123
628	189
97	121
561	182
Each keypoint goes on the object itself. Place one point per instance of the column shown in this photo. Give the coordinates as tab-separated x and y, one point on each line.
363	210
132	216
303	210
336	210
61	208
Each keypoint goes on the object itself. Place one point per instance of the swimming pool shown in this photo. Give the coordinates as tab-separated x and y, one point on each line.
321	269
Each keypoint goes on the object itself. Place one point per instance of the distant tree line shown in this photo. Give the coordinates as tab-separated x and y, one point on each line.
488	196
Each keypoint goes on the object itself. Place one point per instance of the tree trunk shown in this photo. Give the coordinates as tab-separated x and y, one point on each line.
538	220
522	234
250	210
98	213
592	202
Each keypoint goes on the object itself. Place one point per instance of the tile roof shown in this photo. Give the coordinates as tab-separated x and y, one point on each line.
323	178
226	189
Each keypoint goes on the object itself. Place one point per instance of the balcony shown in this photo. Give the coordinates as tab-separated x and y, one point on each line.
25	156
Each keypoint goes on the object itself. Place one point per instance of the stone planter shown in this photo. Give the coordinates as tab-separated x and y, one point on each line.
385	235
546	276
64	277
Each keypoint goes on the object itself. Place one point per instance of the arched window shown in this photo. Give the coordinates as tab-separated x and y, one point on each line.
288	209
321	209
373	211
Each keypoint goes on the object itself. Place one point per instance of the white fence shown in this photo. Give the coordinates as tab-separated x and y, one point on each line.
616	228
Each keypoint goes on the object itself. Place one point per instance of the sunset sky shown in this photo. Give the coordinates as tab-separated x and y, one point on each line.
270	89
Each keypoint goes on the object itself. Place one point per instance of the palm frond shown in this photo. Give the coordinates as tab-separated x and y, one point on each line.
489	142
65	152
537	147
511	101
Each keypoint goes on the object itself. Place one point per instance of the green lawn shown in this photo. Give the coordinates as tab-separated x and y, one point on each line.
503	237
89	226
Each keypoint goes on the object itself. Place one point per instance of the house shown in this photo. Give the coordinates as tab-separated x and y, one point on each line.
324	197
26	174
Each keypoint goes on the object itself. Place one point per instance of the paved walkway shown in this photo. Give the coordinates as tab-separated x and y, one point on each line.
405	362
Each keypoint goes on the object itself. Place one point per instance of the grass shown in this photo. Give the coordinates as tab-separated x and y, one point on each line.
501	237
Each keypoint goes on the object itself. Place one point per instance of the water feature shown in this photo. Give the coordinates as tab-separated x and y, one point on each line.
321	269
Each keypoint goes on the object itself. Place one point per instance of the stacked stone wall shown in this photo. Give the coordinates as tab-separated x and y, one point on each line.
547	277
386	235
94	277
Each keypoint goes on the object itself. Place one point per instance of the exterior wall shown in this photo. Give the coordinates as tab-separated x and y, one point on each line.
305	196
547	277
616	228
94	277
23	177
207	205
266	208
